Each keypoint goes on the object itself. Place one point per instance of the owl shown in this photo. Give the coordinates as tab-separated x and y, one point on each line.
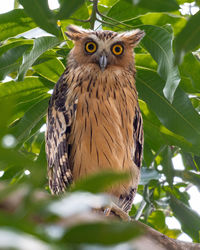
94	121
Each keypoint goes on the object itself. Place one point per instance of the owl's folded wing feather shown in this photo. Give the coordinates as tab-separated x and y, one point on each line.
59	121
127	200
138	137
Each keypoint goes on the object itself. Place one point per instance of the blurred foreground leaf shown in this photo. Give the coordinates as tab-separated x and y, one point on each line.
100	182
103	233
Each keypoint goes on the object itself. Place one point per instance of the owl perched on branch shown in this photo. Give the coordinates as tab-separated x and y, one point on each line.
94	121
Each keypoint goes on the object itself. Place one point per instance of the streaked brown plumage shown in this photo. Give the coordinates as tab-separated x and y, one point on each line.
94	121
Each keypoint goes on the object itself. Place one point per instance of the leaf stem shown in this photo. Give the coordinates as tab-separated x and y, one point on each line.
113	20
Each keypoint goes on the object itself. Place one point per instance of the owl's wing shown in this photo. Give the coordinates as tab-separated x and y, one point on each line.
138	137
127	200
59	121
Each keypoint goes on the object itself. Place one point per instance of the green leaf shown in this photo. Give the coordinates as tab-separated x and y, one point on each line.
81	13
191	73
100	182
41	14
24	94
189	38
188	161
48	55
14	42
67	8
179	117
23	104
6	111
197	162
25	88
42	156
167	165
40	45
148	155
152	128
181	196
16	4
160	19
16	160
51	69
190	177
158	135
190	220
196	103
13	23
172	233
35	130
103	233
147	175
10	157
11	55
10	61
184	1
157	5
157	220
30	119
158	41
120	13
145	60
107	3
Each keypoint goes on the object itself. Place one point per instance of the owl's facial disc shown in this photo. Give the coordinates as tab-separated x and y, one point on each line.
103	61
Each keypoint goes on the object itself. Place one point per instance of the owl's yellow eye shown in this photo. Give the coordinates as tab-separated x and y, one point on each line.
90	47
117	49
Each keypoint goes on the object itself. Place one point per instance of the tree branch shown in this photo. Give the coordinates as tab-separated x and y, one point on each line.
93	16
151	239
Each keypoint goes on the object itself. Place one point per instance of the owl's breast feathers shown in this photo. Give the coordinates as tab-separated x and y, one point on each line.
94	123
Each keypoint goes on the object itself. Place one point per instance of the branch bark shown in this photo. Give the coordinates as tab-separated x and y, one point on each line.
151	239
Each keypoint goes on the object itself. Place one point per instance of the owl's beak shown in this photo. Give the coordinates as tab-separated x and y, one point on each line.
103	62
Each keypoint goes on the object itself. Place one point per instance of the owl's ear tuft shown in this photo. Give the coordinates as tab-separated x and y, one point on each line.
74	32
133	37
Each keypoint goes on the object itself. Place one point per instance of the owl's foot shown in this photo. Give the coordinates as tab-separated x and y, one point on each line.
113	208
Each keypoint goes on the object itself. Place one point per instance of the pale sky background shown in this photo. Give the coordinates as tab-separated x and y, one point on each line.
7	5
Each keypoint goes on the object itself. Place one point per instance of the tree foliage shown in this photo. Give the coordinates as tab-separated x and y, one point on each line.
168	83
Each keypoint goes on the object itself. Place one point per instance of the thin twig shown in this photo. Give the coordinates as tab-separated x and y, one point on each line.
113	20
140	210
104	22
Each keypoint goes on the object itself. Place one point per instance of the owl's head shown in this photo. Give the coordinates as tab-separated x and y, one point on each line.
103	48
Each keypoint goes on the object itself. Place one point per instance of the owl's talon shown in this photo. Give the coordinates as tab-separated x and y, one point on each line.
117	211
107	211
